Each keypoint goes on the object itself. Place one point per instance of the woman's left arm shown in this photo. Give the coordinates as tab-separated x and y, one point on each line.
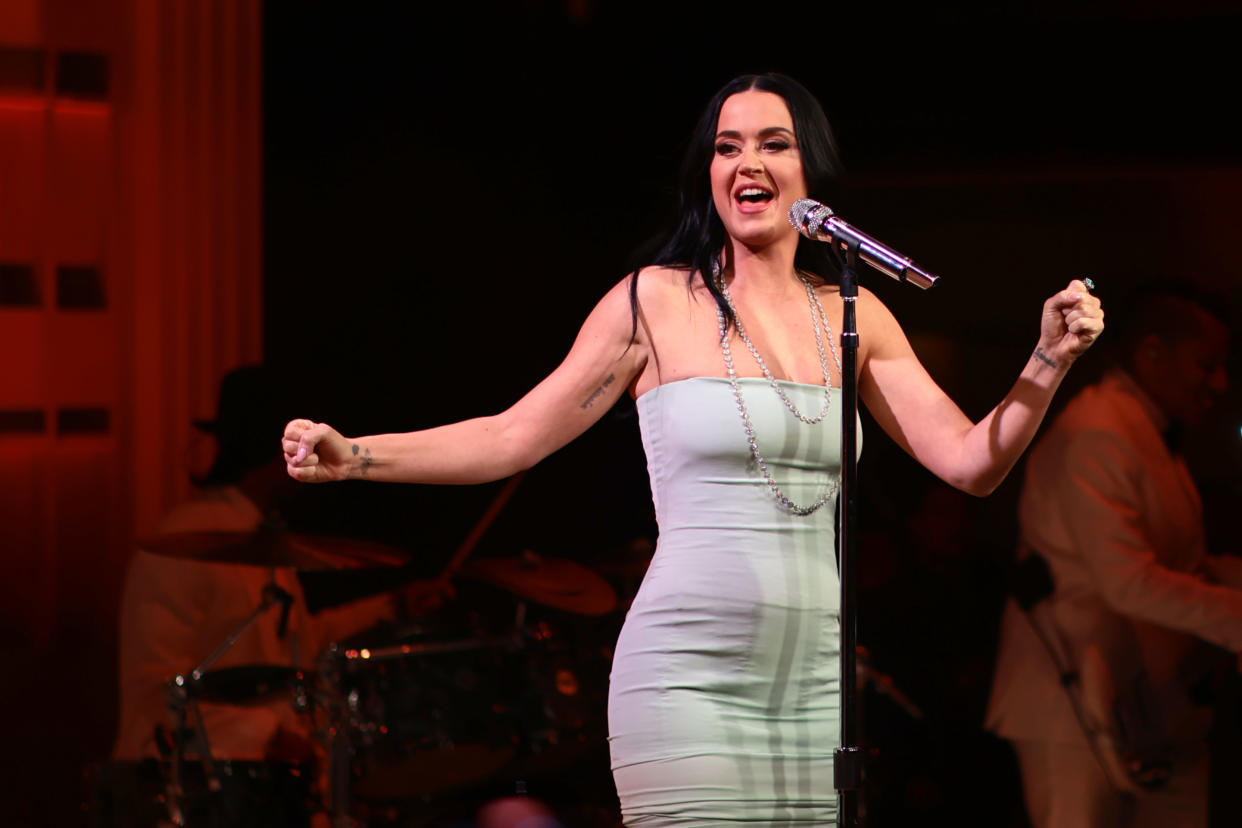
914	411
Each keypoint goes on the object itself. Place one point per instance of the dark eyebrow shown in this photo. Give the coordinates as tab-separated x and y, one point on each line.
763	133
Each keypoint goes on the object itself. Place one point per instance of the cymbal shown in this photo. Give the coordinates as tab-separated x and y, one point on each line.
276	547
553	582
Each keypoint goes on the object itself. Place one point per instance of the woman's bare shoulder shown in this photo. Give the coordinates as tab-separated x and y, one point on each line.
661	288
661	277
872	305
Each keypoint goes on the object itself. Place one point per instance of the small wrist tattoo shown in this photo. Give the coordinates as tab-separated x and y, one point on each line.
1044	358
366	460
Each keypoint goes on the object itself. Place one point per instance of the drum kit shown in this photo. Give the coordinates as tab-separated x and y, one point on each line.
499	687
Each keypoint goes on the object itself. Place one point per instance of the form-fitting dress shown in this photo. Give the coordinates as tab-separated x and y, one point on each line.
723	704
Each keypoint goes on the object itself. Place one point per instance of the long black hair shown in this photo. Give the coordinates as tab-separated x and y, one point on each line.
698	234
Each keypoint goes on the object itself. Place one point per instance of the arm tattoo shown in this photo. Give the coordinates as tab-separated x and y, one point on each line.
595	395
1044	358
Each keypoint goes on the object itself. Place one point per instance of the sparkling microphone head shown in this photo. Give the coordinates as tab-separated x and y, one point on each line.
817	222
807	216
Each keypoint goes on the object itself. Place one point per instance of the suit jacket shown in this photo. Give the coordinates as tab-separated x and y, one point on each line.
1118	519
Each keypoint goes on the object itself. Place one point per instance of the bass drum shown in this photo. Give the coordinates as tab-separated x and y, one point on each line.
489	693
250	795
424	709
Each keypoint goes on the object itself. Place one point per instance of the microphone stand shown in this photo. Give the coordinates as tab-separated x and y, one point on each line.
816	221
848	759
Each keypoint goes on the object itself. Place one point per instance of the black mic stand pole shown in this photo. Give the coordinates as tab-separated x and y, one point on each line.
848	759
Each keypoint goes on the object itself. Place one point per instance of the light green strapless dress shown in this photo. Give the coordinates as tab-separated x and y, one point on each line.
723	705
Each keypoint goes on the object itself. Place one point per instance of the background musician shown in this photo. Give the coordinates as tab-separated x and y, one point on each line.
1110	507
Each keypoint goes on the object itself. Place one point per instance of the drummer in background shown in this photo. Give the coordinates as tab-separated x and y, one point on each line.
175	611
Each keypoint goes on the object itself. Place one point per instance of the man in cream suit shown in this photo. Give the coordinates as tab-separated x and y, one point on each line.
1134	602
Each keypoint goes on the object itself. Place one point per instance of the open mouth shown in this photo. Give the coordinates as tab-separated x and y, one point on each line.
753	195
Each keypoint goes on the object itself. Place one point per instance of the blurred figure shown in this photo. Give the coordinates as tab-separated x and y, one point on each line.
182	603
1128	603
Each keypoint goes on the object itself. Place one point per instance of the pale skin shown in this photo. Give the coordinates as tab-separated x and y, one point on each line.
678	338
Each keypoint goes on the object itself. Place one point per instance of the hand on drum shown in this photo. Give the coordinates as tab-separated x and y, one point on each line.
316	452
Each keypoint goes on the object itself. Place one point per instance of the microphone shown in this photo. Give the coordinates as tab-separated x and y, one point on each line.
817	222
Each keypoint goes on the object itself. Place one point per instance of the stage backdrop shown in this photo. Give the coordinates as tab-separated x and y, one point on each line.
129	283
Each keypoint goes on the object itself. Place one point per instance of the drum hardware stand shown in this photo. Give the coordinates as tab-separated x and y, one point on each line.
181	697
480	528
340	753
869	676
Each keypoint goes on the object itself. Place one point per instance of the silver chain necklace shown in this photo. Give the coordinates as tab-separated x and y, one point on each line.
818	318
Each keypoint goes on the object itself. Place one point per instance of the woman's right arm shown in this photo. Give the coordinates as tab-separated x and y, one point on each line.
601	364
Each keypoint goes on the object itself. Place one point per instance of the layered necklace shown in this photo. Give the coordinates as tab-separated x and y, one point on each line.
819	324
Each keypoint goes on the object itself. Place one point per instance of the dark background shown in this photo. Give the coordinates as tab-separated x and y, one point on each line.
448	191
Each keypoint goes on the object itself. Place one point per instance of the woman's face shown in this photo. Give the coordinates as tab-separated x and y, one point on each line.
756	168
